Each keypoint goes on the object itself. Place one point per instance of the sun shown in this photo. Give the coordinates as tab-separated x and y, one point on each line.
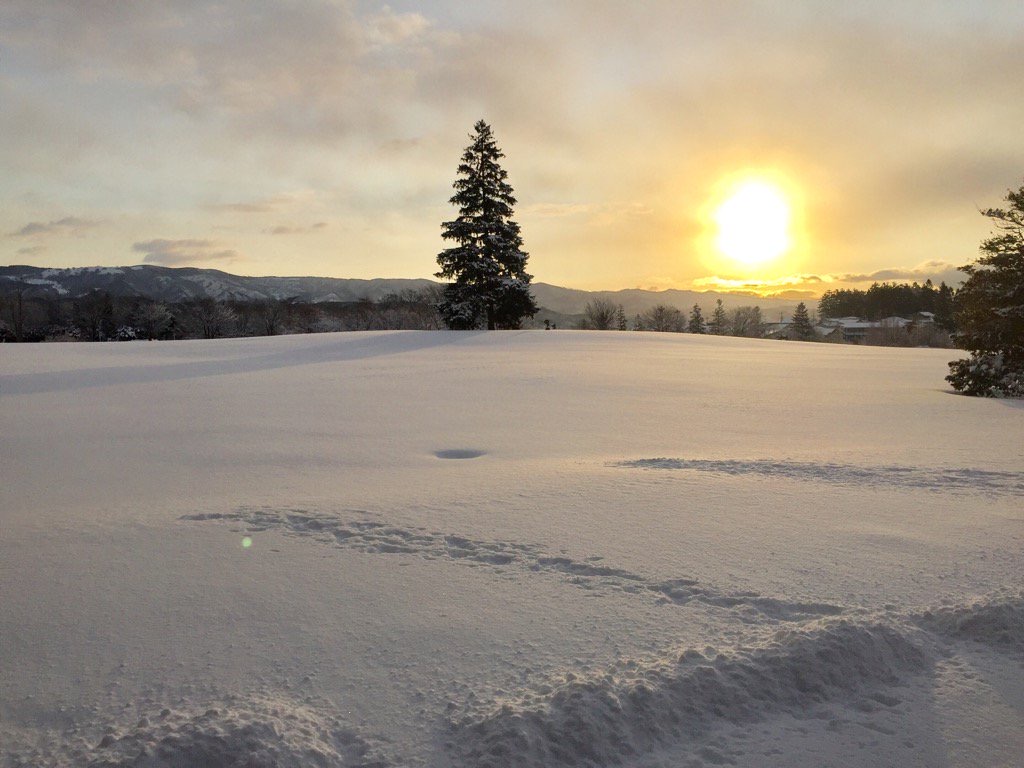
753	222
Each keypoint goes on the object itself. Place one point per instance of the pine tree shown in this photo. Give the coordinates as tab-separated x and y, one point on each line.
802	328
620	319
989	310
719	322
696	324
944	308
487	267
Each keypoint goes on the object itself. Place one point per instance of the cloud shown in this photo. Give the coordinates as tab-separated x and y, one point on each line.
556	210
263	206
936	271
303	199
287	229
266	205
891	120
31	250
388	28
793	294
810	286
172	253
69	225
763	287
318	69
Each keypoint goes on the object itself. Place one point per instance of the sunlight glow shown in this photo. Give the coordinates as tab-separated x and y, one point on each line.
753	223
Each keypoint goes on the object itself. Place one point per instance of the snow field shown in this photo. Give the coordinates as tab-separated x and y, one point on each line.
506	549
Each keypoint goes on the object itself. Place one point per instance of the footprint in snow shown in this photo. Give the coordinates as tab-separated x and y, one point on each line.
459	453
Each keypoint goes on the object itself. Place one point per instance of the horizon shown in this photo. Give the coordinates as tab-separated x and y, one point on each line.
713	291
322	138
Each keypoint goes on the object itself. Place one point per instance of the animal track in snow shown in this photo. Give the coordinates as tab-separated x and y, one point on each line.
377	537
979	480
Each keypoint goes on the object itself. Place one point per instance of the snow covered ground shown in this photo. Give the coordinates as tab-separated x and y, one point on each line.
506	549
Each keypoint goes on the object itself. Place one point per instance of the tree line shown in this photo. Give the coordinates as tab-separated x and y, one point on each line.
883	300
100	316
604	315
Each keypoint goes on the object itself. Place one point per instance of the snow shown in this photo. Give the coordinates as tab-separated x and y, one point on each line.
506	549
50	283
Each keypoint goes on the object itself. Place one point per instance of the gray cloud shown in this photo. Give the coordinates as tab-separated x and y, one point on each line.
936	271
261	206
31	250
172	253
793	294
69	225
316	69
287	229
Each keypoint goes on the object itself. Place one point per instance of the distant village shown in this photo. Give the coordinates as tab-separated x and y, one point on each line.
855	330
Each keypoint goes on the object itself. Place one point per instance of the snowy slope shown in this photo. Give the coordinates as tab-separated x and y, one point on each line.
506	549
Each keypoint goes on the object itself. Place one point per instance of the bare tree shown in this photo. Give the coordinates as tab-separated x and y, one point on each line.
599	315
153	319
663	318
746	321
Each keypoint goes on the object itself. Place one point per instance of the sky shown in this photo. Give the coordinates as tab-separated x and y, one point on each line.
321	137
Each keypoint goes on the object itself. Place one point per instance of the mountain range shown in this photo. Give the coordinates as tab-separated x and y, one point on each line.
172	284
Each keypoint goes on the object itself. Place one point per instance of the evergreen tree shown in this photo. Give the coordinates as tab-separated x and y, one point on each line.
696	324
719	323
620	319
989	310
944	308
802	328
487	266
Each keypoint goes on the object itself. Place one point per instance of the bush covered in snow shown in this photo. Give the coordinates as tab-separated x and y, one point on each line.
985	375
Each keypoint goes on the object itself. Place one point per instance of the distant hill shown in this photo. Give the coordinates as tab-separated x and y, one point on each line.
182	283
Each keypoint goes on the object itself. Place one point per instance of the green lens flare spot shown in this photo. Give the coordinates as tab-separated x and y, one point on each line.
246	542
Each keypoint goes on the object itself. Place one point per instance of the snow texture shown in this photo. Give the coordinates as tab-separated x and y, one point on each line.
506	549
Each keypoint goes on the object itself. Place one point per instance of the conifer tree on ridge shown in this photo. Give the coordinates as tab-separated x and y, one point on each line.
697	324
802	328
487	267
719	322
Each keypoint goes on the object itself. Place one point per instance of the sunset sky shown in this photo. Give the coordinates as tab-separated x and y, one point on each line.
320	137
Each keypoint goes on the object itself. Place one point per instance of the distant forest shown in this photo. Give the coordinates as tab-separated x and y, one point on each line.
883	300
102	316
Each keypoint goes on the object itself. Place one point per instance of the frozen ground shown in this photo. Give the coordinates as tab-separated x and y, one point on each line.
506	549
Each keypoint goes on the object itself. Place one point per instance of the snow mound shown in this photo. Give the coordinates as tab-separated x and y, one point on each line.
635	708
995	620
250	732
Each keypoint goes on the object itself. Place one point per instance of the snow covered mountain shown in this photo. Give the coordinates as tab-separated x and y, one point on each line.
181	283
